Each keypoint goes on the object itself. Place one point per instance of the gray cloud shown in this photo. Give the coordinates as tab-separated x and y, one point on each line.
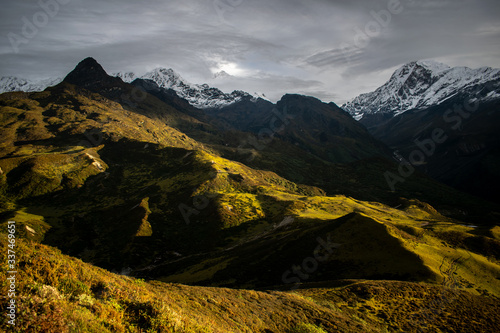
330	49
267	83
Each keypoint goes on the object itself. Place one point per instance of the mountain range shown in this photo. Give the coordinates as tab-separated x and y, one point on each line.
201	96
137	211
11	83
415	85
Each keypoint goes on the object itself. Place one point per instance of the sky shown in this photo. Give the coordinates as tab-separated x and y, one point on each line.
330	49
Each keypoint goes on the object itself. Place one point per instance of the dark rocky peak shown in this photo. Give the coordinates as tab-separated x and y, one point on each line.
89	74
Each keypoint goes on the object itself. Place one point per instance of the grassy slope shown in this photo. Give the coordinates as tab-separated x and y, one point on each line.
387	245
38	123
57	293
102	222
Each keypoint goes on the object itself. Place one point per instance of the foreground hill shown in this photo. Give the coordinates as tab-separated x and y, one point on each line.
57	293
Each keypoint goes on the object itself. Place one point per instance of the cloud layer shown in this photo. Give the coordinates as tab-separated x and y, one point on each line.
331	49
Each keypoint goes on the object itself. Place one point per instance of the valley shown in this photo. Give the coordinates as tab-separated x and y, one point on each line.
149	214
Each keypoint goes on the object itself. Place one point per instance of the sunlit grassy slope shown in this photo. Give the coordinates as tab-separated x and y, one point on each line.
57	293
189	216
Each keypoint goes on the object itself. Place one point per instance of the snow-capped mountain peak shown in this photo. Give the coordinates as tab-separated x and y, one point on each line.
421	84
165	77
433	66
257	95
222	74
126	76
198	95
11	83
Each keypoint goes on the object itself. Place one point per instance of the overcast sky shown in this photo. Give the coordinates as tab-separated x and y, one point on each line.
330	49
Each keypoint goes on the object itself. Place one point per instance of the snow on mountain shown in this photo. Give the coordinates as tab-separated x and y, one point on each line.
222	74
200	96
257	95
126	76
10	83
422	84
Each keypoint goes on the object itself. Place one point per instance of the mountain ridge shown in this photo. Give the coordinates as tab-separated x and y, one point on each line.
421	84
201	96
13	83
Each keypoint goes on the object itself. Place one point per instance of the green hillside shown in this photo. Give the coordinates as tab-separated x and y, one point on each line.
57	293
308	236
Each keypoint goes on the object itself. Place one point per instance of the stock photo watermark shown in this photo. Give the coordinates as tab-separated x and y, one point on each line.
381	20
299	273
200	202
137	95
450	294
426	148
31	26
223	7
266	135
94	137
11	273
